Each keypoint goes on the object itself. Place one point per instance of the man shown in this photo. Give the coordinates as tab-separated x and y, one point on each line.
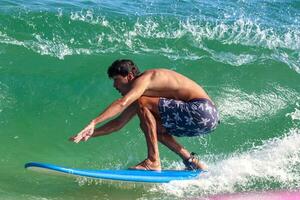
167	103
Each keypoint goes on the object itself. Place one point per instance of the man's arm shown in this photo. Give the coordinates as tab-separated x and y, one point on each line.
111	126
139	86
117	123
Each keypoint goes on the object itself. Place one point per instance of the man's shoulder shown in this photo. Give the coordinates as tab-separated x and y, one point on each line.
158	71
152	75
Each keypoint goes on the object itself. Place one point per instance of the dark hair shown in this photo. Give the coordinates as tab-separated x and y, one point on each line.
123	68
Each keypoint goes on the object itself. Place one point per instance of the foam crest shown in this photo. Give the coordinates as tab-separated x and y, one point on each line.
235	103
54	48
156	33
245	32
5	39
241	30
233	59
151	28
89	17
277	161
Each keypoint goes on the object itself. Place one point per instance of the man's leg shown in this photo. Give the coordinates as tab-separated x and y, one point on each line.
154	131
170	142
148	121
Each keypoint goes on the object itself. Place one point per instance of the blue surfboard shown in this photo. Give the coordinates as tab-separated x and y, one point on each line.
129	175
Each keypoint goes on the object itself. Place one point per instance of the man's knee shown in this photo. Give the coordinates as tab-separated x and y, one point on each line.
149	103
143	102
142	107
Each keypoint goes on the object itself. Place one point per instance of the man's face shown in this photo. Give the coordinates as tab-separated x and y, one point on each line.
121	83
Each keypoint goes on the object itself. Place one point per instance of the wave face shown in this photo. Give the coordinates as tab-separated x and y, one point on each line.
53	62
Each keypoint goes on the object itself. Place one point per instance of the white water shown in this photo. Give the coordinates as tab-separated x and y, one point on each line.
277	161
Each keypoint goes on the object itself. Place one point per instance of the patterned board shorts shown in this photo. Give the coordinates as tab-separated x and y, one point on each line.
187	119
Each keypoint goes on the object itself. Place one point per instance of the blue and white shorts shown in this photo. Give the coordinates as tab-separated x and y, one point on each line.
192	118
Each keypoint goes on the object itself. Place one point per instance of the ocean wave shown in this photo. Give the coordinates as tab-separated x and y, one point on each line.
275	161
90	32
242	106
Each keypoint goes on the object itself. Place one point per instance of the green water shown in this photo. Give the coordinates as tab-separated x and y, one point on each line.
53	62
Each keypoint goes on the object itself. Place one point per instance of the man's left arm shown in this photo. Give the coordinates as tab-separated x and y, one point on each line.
139	86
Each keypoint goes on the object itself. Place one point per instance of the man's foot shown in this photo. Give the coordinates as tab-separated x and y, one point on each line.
193	163
148	165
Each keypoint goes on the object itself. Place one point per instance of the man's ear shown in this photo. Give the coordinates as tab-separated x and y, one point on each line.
130	76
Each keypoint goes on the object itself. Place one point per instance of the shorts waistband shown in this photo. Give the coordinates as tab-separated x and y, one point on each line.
202	100
199	99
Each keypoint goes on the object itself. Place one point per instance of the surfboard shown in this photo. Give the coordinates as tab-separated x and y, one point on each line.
129	175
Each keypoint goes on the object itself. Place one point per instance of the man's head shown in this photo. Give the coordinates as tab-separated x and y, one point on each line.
122	72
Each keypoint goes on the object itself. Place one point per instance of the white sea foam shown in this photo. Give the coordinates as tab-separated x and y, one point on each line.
55	47
296	114
243	31
89	17
233	59
5	39
277	161
235	103
293	61
50	47
153	29
42	46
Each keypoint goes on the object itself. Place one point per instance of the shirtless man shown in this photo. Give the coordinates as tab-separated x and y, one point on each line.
167	103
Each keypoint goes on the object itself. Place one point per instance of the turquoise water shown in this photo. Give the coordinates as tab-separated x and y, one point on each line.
53	61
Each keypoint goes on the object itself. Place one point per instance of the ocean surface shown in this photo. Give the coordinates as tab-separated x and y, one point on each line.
53	61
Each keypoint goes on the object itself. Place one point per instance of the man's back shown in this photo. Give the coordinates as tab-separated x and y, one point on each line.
170	84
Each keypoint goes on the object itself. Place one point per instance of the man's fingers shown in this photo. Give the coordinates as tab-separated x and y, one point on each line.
84	135
73	138
88	135
86	138
84	130
78	139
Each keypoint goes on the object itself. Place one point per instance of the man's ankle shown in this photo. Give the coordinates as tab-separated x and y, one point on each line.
154	159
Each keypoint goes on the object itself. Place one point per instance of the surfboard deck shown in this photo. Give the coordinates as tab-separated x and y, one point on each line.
129	175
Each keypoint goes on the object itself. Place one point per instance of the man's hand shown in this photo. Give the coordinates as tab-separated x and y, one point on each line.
85	134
